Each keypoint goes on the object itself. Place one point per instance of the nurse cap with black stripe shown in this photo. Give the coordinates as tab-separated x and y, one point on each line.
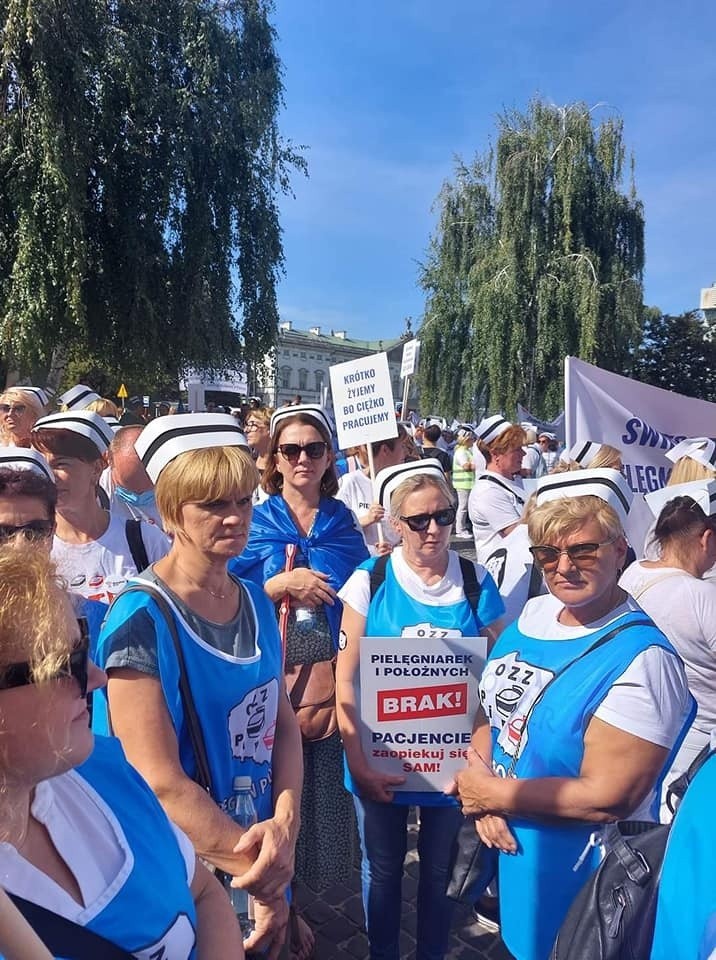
490	428
389	479
702	492
25	458
165	438
701	449
84	423
78	397
312	410
583	451
609	485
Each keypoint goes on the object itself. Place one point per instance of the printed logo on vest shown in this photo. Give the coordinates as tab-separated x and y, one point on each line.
252	723
508	688
177	942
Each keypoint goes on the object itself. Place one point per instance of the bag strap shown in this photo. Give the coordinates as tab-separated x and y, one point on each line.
377	574
676	790
203	772
535	584
286	602
651	583
493	478
470	584
135	542
64	938
594	646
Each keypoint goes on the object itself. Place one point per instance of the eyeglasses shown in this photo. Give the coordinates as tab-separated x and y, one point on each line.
254	424
18	408
292	451
419	522
20	674
32	531
582	555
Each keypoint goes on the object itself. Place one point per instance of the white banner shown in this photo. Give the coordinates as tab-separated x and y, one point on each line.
555	426
642	421
411	351
363	401
418	703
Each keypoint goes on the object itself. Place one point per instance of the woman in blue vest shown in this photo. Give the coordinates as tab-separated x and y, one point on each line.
230	648
583	705
83	838
422	589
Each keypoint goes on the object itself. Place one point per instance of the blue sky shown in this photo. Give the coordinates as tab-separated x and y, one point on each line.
385	93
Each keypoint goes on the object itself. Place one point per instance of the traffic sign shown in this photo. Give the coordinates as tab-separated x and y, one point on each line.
145	400
122	392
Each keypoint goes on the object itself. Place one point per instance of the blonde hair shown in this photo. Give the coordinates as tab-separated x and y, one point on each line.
607	457
550	521
687	470
418	482
18	395
260	413
201	476
509	439
33	625
103	407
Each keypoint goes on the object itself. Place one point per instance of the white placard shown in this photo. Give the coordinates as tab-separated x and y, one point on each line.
363	401
411	351
642	421
418	700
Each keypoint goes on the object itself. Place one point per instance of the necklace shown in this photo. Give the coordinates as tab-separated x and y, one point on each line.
201	586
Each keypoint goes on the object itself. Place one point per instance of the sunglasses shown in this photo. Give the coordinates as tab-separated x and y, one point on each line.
32	531
420	522
582	555
20	674
292	451
18	408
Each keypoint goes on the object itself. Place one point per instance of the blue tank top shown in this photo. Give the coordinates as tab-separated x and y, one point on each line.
236	699
538	884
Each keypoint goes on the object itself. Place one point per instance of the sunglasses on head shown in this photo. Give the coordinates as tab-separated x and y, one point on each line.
582	555
292	451
419	522
18	408
32	531
20	674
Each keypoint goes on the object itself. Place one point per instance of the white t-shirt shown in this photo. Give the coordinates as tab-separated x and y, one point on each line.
100	569
356	590
684	608
533	461
494	503
356	491
90	840
510	564
649	700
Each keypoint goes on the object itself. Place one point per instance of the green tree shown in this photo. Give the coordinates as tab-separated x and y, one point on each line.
677	353
555	266
140	162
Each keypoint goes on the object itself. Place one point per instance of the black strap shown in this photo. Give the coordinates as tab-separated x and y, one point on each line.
535	585
505	484
203	773
102	498
133	533
63	938
377	574
677	788
470	583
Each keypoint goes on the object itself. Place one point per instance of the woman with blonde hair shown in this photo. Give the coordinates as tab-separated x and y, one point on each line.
497	498
589	455
256	429
20	408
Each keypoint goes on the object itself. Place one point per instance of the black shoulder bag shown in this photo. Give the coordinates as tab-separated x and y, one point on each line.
473	866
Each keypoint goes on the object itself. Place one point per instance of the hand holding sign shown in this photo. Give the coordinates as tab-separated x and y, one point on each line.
376	786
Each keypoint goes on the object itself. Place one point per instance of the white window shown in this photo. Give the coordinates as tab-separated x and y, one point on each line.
303	379
286	378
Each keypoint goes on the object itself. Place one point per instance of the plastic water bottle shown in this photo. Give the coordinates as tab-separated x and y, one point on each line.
243	813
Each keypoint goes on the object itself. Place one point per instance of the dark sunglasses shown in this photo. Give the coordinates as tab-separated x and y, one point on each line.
20	674
18	408
582	555
292	451
420	522
32	531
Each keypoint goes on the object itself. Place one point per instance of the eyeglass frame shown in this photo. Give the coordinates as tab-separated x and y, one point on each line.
76	668
300	447
420	517
590	557
25	529
7	408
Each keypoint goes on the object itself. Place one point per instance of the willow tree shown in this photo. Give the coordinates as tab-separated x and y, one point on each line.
140	163
561	271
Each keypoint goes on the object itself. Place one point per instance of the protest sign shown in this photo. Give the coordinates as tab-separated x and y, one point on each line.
642	421
418	701
409	361
363	401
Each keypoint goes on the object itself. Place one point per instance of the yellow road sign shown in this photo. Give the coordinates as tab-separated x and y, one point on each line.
122	392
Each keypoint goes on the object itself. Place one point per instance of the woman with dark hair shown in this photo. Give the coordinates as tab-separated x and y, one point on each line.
302	548
680	602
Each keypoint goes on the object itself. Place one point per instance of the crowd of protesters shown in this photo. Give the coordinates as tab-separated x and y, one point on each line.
182	605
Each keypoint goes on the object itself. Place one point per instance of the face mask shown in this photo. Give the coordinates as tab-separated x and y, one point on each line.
145	499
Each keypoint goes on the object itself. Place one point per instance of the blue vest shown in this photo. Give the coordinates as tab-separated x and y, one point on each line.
686	908
392	611
236	699
151	911
538	884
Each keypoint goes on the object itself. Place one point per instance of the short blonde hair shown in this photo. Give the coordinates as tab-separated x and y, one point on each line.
104	407
687	470
200	476
550	521
33	625
18	395
419	482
